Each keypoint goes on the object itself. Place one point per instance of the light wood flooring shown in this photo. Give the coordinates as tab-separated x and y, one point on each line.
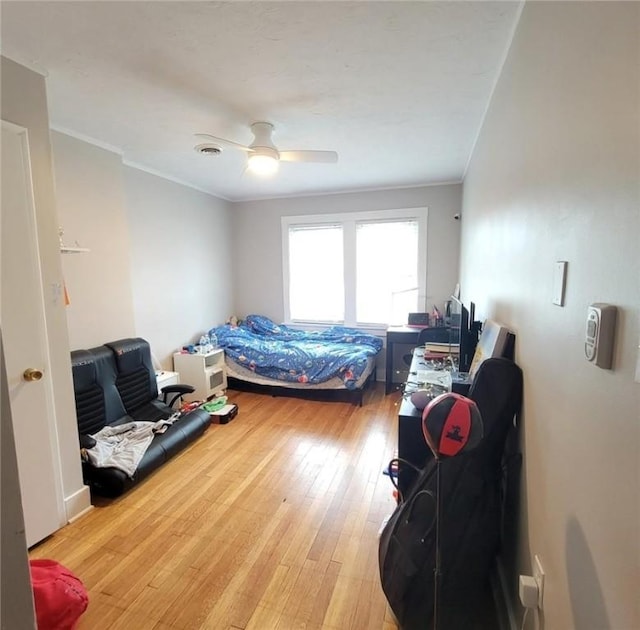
269	522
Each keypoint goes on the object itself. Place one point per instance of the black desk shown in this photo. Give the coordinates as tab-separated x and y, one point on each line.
408	335
411	443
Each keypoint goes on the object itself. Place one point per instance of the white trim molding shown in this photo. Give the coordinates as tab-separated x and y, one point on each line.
78	504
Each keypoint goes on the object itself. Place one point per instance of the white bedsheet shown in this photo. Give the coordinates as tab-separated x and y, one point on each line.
123	446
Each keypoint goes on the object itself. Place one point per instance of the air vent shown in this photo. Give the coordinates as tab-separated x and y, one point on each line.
208	149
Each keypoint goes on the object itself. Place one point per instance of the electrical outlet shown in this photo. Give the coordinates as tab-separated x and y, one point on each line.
538	574
528	591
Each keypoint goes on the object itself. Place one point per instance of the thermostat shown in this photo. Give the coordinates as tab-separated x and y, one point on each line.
600	333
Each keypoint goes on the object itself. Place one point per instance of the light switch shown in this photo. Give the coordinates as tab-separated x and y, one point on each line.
559	280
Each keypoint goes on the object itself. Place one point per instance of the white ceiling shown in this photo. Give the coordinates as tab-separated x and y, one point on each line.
398	89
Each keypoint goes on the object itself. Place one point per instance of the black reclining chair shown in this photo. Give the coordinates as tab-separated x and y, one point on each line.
115	384
136	381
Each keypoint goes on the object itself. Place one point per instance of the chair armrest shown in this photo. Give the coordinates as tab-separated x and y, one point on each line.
179	390
86	441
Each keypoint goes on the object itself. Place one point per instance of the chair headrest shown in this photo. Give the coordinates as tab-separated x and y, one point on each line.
131	354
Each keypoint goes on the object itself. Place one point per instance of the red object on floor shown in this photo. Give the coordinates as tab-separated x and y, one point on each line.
189	406
59	596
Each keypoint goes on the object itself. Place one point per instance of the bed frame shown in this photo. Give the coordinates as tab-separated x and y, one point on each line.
354	396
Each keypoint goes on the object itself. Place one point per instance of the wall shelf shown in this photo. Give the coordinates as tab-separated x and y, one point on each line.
65	249
73	250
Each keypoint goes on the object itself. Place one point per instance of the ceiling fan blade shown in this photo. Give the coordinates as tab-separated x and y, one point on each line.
330	157
223	142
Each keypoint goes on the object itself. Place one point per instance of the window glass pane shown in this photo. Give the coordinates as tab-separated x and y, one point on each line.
316	273
387	271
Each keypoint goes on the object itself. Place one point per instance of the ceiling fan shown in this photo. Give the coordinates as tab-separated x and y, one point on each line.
264	157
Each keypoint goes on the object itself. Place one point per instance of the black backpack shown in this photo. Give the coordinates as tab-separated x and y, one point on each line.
470	516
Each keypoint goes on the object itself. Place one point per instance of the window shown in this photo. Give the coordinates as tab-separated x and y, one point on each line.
359	269
316	280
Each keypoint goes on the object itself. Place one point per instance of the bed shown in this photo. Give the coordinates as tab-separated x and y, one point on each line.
263	356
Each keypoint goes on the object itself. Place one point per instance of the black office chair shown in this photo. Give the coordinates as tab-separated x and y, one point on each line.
423	337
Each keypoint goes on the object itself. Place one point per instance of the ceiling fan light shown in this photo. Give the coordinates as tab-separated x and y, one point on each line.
263	165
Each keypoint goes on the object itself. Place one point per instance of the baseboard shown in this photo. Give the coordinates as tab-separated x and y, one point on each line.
504	609
77	504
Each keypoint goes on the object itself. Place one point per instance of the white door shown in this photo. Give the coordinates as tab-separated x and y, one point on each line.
25	343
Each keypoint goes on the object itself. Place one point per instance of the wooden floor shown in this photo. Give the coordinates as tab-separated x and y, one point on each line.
269	523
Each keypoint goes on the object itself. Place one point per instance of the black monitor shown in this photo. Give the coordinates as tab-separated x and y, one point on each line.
464	331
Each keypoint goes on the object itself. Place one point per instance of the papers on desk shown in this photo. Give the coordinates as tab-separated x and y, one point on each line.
426	385
441	378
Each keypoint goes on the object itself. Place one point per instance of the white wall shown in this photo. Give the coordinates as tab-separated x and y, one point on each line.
91	210
554	176
24	103
257	241
180	261
159	260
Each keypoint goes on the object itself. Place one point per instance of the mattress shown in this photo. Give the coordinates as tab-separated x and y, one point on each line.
236	370
287	357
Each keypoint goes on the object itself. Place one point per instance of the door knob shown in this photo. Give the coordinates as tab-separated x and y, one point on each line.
32	374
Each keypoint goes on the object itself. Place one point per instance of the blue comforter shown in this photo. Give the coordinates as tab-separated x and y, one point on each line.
297	356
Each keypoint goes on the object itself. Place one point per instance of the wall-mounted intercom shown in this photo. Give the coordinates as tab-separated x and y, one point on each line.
600	334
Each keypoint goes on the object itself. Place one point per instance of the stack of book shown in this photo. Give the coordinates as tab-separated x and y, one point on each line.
440	349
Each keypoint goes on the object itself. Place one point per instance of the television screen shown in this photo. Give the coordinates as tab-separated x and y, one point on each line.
462	332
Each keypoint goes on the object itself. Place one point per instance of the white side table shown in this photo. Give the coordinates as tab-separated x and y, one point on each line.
206	372
164	378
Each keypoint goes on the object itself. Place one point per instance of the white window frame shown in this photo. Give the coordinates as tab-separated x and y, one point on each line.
348	221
